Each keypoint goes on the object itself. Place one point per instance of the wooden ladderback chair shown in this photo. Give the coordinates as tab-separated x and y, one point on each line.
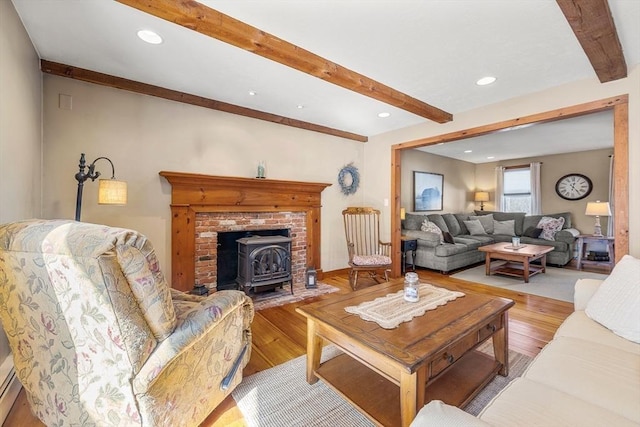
366	251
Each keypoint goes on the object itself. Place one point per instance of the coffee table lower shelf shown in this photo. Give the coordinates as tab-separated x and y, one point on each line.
517	269
379	398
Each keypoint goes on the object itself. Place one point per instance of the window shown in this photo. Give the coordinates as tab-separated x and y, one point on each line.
517	190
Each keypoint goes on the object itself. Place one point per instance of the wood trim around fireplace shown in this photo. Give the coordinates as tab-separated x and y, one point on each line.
192	193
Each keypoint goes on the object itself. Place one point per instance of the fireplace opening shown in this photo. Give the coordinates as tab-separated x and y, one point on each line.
227	254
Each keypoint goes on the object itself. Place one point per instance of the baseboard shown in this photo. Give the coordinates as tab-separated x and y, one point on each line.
10	388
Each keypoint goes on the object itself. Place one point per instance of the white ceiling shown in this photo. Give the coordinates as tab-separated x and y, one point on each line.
591	132
432	50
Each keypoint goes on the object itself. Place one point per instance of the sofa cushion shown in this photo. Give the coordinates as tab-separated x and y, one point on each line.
533	220
616	303
504	227
452	224
474	226
579	325
602	375
528	403
532	232
424	239
517	217
413	221
557	245
438	413
486	221
448	250
439	221
447	237
472	242
430	227
462	217
550	226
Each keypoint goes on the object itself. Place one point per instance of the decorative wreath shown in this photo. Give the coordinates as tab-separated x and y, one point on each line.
349	179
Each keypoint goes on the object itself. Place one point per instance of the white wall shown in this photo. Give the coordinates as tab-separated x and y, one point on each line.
378	149
20	131
144	135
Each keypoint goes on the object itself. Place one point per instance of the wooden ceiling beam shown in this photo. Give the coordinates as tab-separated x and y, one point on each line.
210	22
82	74
592	23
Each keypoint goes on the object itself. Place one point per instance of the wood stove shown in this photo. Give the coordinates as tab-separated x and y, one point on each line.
264	262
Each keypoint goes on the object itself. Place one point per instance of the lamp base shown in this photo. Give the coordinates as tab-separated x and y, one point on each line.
597	231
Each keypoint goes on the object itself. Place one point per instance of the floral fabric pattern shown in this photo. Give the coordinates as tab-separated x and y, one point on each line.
550	226
99	338
431	227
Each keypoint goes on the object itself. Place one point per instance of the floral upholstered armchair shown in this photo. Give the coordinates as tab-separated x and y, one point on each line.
99	338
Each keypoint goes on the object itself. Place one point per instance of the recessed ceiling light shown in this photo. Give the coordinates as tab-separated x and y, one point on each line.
486	81
300	106
468	151
150	37
252	93
491	157
384	115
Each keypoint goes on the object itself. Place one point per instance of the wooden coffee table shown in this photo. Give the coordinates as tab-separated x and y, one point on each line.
520	265
389	374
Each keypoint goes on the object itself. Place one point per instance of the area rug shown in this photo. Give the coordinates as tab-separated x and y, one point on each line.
556	283
281	396
281	296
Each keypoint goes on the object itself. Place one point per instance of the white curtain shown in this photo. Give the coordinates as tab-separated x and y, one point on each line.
500	188
610	223
536	192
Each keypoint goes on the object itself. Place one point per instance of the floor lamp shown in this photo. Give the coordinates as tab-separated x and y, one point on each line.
110	191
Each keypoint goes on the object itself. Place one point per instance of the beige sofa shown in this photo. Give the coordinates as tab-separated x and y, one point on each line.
588	375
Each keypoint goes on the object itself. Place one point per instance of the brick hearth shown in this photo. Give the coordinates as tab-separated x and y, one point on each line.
209	224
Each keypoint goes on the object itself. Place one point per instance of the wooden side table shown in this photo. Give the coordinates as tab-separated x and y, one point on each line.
408	244
584	240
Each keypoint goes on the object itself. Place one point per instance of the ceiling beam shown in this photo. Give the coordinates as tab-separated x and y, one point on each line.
210	22
592	23
82	74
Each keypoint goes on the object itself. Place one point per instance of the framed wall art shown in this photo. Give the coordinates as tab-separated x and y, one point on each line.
427	191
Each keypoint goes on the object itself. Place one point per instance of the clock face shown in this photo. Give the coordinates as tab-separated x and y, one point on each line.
574	186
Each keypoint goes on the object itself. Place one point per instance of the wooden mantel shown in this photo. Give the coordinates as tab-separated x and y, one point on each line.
193	193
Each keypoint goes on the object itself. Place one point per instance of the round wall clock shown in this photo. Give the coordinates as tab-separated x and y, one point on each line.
574	186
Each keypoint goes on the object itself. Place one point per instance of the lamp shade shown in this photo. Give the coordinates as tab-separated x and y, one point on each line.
112	192
598	209
403	213
481	196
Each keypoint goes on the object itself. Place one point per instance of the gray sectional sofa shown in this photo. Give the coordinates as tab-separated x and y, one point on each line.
462	251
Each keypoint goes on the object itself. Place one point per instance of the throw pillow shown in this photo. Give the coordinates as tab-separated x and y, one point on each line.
550	226
532	232
486	221
504	227
448	238
432	227
616	303
475	227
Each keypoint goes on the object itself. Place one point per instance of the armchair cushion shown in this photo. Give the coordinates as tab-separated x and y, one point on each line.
371	260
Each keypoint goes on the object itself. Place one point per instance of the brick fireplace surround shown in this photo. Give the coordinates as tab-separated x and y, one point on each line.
203	205
209	224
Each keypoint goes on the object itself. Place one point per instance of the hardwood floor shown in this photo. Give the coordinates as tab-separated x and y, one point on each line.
279	335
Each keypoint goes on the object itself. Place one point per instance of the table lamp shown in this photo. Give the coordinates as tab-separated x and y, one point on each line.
481	196
598	209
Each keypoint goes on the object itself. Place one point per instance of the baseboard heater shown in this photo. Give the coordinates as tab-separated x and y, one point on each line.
9	389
